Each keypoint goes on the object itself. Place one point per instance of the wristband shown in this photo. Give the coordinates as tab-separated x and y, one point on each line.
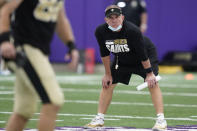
148	70
70	46
5	36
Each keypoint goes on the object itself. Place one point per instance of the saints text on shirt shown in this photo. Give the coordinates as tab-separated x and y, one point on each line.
117	45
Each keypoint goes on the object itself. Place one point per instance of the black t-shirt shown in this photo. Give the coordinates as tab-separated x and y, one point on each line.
35	22
132	9
127	44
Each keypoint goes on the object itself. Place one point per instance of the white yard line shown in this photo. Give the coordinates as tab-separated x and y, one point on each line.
117	91
6	92
178	85
134	84
6	87
129	103
7	78
38	119
193	116
129	92
105	119
116	116
96	80
118	103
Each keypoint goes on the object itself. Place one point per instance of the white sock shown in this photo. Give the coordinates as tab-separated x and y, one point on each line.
160	116
101	115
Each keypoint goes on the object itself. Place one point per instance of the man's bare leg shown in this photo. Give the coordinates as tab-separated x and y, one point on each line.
105	98
157	98
16	123
104	102
47	117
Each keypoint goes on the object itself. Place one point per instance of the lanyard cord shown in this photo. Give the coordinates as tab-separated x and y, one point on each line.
116	66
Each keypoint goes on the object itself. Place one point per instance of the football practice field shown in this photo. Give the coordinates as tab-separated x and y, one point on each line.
130	109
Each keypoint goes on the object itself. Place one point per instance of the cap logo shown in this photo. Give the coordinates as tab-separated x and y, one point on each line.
112	10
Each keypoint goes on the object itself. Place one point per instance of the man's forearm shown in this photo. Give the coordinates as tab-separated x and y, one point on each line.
106	63
147	66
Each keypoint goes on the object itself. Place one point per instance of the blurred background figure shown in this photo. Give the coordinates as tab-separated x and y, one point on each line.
134	11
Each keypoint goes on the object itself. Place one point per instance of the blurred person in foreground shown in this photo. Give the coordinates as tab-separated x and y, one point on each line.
134	11
32	30
134	54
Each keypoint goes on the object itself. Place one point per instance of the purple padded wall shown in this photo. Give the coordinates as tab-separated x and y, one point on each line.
171	25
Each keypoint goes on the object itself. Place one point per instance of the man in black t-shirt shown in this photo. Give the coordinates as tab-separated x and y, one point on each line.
134	54
134	11
35	22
